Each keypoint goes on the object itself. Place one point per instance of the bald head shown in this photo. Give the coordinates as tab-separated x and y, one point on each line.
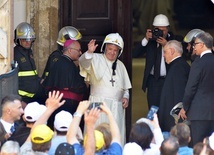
169	146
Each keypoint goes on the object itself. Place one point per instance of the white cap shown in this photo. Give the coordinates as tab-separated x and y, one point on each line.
132	148
33	111
62	120
211	141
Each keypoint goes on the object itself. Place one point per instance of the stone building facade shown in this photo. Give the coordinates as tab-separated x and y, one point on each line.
43	16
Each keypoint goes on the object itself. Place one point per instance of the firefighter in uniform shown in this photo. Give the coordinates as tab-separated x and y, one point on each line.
23	55
67	32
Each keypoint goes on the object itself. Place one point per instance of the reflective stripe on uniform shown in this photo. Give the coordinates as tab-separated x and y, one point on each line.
24	93
46	73
27	73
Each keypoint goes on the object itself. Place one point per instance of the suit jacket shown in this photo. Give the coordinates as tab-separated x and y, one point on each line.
198	100
2	133
173	91
20	134
151	49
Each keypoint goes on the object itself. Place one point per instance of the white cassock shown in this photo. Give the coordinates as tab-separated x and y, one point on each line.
97	69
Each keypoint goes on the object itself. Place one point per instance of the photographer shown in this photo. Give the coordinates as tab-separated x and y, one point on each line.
156	68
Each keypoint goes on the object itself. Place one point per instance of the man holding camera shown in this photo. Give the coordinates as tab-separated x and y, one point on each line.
156	68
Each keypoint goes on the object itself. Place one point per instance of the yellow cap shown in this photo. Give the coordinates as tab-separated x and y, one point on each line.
99	139
41	134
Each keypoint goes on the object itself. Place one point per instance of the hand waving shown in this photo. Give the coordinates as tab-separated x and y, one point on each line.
53	101
92	46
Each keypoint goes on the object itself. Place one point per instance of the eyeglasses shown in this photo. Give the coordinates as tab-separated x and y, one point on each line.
194	44
79	50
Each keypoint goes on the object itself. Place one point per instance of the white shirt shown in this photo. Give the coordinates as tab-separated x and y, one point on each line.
7	126
163	65
205	52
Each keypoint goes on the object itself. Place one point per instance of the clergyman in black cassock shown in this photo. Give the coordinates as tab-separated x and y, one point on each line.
175	82
64	76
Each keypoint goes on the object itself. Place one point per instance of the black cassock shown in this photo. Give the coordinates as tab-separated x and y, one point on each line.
64	76
173	91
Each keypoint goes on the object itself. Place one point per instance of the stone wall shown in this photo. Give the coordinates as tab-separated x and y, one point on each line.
43	16
6	35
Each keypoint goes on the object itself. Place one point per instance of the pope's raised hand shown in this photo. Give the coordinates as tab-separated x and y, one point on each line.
92	46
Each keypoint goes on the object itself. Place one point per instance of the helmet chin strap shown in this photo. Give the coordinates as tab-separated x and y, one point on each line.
114	65
191	44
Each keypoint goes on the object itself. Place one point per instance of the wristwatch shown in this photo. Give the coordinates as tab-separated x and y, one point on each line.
76	114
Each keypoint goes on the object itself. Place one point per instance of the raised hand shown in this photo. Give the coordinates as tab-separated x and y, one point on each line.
92	46
91	116
82	107
162	41
53	101
148	34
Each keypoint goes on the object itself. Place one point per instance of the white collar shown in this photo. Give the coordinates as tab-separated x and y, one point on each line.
6	125
205	52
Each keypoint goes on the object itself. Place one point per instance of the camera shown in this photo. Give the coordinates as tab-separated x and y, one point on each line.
95	105
151	112
156	33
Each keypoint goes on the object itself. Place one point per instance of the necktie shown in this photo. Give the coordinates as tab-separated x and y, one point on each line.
12	129
157	62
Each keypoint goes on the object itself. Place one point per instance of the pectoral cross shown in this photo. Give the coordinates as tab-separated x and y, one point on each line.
112	81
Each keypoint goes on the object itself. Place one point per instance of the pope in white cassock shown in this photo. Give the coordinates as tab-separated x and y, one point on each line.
108	78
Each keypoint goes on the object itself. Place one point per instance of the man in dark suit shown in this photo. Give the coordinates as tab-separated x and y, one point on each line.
11	112
175	83
198	101
155	68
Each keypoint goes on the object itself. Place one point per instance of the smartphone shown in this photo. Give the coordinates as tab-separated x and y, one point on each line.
152	110
94	105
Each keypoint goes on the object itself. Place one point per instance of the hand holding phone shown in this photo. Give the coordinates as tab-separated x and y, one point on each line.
95	105
151	112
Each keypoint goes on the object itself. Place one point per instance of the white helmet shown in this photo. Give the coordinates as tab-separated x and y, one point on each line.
175	111
191	35
160	20
113	38
68	32
24	31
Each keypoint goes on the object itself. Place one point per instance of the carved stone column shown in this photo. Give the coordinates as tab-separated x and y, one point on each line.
43	16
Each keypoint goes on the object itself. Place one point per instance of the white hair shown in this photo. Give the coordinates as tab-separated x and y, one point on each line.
10	147
176	45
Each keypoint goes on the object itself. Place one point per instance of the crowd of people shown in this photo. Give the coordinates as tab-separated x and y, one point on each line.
67	138
46	117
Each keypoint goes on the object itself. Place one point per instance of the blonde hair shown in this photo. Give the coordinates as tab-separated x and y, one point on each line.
105	129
